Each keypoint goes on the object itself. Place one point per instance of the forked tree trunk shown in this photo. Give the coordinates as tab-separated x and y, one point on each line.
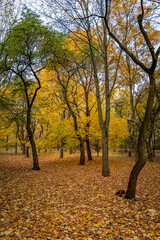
131	190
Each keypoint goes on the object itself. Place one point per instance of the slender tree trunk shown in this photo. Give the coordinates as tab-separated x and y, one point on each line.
32	142
97	148
7	139
153	144
104	124
131	90
61	151
23	147
27	152
105	159
16	144
16	147
82	151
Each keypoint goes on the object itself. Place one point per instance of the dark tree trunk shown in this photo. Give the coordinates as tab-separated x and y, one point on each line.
105	153
27	151
130	150
149	150
131	189
32	142
16	148
130	193
88	149
153	144
16	145
7	143
97	147
61	151
23	147
82	152
98	152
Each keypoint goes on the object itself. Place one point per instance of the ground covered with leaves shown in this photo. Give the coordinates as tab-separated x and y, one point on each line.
67	201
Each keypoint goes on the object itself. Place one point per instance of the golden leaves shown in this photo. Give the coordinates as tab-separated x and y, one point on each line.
66	201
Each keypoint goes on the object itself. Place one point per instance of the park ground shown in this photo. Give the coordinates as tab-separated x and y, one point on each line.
66	201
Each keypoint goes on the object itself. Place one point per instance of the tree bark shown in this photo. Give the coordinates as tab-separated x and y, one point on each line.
82	152
16	144
27	151
131	189
32	142
105	159
7	139
104	124
61	151
23	147
88	149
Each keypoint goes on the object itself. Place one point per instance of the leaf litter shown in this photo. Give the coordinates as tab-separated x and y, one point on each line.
66	201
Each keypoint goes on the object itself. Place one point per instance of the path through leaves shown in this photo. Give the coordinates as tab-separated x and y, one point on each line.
68	201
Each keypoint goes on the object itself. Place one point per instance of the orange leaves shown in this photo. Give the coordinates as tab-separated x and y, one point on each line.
68	201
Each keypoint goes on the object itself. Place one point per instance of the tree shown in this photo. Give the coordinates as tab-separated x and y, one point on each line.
148	69
24	54
94	43
12	105
65	73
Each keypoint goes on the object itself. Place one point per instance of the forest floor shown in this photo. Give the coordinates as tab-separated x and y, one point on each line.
66	201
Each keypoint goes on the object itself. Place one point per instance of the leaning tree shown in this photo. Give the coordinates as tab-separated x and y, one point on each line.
25	52
146	59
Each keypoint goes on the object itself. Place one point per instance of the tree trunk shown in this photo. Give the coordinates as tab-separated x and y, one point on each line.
153	144
97	148
16	144
7	139
23	147
32	142
16	147
82	152
105	159
149	150
130	193
34	152
131	189
27	151
61	151
88	149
